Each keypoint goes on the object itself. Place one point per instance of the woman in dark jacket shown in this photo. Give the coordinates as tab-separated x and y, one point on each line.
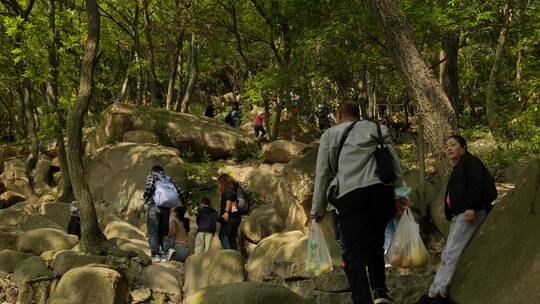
466	204
230	217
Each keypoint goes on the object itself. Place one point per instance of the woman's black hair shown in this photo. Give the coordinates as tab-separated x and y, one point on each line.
179	213
461	141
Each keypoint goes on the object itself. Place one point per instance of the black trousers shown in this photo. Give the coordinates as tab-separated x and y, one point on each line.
363	215
259	128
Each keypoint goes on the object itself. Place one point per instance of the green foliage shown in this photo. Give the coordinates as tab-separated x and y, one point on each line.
244	150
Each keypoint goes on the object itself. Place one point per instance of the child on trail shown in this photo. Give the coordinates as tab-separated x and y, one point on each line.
178	234
206	223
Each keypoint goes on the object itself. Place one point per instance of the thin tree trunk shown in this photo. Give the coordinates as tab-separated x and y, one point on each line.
491	107
92	238
172	74
422	87
151	53
65	190
422	163
451	81
181	81
277	120
124	87
194	59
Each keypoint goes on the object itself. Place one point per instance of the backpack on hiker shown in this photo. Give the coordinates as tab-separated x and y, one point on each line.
228	118
242	200
490	190
165	194
385	161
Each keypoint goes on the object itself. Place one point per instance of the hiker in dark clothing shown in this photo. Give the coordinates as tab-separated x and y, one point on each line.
230	217
158	214
74	225
209	111
469	193
206	226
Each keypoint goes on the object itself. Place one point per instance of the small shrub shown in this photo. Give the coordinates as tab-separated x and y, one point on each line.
244	150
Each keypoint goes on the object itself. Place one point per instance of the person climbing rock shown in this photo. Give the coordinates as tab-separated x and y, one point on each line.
260	132
178	231
206	225
161	194
230	218
364	203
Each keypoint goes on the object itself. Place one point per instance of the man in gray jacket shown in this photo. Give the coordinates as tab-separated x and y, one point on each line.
364	204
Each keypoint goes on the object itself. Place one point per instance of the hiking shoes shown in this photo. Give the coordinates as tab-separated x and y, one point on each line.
425	299
171	254
381	297
156	259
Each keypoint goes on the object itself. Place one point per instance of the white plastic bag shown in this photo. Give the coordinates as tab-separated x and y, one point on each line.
318	259
407	249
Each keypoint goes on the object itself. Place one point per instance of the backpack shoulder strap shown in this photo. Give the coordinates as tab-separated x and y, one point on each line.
342	142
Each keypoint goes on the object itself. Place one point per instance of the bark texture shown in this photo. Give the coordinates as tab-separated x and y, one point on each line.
421	84
92	238
65	190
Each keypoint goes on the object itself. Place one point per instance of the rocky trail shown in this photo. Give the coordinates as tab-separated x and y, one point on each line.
41	263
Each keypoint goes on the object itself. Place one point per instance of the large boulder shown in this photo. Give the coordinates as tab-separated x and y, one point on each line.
261	223
15	177
212	268
57	212
287	248
23	220
9	259
261	179
282	151
504	255
10	198
66	260
116	174
8	240
164	278
141	137
198	133
41	175
245	293
30	268
79	285
45	239
295	190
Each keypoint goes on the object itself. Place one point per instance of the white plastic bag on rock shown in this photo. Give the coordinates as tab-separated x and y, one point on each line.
318	259
407	249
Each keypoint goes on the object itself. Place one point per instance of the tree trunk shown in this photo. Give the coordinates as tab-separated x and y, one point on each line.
277	119
92	238
491	107
141	81
65	190
422	164
449	70
151	54
174	70
422	87
194	59
124	87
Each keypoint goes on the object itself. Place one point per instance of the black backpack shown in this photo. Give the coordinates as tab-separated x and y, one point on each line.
228	118
385	161
490	190
242	200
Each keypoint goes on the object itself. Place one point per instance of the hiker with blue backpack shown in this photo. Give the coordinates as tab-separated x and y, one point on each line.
160	196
